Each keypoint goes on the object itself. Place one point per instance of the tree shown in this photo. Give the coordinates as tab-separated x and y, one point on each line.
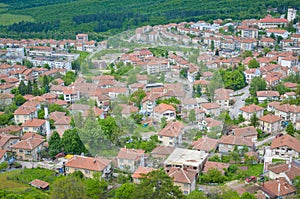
247	195
29	87
22	88
247	53
196	195
131	79
163	122
55	145
95	188
35	90
254	120
241	118
72	143
27	63
233	79
68	188
212	46
235	156
110	129
290	129
5	118
192	116
157	184
253	63
125	191
257	84
46	83
69	78
137	97
198	91
183	72
213	176
19	100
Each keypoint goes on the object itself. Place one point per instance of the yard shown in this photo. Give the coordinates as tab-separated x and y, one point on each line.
16	181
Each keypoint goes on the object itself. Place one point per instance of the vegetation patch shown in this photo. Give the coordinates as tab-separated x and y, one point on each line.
8	19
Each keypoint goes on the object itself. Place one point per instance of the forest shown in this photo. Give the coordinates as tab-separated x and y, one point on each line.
63	19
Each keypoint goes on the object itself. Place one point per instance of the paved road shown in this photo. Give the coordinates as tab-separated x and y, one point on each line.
268	139
240	101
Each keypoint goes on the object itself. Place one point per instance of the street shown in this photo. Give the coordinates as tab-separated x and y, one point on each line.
240	101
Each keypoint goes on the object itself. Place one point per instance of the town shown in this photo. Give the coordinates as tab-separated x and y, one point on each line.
213	109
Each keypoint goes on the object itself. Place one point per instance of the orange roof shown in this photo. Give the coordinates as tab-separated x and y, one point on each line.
205	144
286	140
235	140
88	163
24	110
39	184
173	129
251	108
270	118
130	154
34	123
278	187
210	105
182	175
141	172
28	144
164	107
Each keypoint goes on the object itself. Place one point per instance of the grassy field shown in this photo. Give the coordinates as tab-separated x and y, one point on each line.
8	19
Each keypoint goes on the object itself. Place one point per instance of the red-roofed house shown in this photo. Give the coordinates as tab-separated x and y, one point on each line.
89	166
172	134
267	95
246	132
279	188
184	178
288	170
205	144
28	149
227	143
270	123
3	155
269	22
35	126
215	165
285	147
39	184
248	111
164	110
140	173
212	109
130	159
23	114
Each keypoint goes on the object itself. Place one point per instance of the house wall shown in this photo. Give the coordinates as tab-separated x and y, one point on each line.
186	188
285	153
29	155
170	141
270	127
130	165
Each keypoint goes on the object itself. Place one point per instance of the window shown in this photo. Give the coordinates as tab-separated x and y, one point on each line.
20	150
229	146
86	171
28	153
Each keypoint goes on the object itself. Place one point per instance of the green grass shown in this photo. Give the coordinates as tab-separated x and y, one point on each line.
141	129
8	19
253	170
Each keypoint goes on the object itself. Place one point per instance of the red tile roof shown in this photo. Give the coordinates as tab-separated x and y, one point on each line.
39	184
88	163
286	140
141	172
182	175
245	132
205	144
235	140
161	108
173	129
34	123
162	150
251	108
291	170
130	154
279	187
270	118
28	144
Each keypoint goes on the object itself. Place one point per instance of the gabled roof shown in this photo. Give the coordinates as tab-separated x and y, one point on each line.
182	175
235	140
292	170
286	140
246	131
164	107
267	94
31	135
88	163
39	184
251	108
4	138
28	144
141	172
163	150
2	153
270	118
34	123
25	110
130	154
279	187
205	144
210	105
215	165
173	129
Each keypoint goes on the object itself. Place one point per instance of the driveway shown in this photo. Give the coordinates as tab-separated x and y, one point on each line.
240	101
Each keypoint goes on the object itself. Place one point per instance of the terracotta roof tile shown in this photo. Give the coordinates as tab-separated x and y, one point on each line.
130	154
235	140
251	108
88	163
205	144
182	175
286	140
141	172
279	187
173	129
270	118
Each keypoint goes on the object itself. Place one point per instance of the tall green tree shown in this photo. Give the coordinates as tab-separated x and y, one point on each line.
257	84
157	184
19	100
196	195
290	129
22	88
55	144
137	97
254	120
35	89
192	116
253	63
29	87
125	191
95	188
110	129
213	176
72	143
68	188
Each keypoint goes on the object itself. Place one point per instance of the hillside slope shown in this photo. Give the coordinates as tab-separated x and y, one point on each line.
101	18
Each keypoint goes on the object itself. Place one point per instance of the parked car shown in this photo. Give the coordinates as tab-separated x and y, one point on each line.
251	179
